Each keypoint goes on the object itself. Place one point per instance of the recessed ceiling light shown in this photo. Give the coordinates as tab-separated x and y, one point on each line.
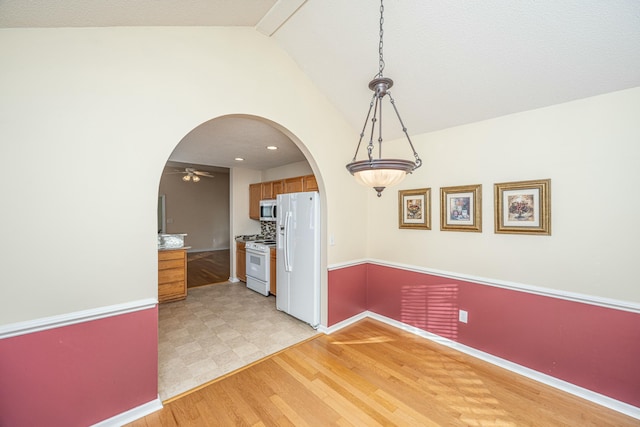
239	159
271	147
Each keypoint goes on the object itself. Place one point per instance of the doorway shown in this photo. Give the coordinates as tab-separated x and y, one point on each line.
222	327
208	267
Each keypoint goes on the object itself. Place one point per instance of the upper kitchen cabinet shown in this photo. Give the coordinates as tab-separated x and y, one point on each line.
300	183
293	185
271	189
267	191
278	188
309	183
255	195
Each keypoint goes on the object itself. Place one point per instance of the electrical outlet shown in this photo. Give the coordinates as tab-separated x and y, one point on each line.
463	316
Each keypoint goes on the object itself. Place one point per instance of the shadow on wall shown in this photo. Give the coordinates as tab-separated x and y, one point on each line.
432	308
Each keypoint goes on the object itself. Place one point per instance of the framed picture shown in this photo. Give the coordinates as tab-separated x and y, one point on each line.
460	208
523	207
414	208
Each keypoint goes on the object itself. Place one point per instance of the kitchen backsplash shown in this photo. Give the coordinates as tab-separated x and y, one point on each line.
268	229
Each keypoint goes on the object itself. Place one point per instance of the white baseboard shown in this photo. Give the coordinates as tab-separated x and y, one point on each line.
567	387
132	414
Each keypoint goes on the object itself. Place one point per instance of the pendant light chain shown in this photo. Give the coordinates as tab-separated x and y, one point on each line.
378	172
378	97
381	43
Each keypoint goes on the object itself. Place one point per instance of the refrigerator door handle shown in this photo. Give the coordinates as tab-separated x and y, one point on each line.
287	242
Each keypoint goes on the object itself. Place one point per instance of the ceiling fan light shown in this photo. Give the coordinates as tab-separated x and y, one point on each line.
196	178
186	178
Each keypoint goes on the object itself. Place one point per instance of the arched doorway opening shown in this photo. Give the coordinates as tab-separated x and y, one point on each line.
222	327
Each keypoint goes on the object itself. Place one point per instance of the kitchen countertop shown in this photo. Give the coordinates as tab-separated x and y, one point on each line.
253	238
173	249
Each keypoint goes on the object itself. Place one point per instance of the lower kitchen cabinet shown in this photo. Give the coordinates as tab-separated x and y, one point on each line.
273	266
241	261
172	275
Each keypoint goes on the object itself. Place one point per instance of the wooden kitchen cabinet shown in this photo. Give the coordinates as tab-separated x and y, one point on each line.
309	183
273	267
172	275
271	189
278	188
267	190
241	261
255	195
293	185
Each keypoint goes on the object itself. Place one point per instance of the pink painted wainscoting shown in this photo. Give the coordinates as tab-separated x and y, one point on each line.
80	374
593	347
347	293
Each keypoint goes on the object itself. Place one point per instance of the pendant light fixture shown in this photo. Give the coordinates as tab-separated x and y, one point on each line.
380	173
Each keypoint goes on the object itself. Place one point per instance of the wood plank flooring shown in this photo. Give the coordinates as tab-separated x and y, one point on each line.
371	374
205	268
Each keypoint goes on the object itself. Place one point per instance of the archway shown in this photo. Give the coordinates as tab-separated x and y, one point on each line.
205	144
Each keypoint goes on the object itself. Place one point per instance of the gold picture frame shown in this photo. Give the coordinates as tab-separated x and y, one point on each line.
523	207
461	208
414	209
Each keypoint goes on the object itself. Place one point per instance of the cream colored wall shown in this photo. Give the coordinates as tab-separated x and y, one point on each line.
240	221
240	181
288	171
79	103
588	148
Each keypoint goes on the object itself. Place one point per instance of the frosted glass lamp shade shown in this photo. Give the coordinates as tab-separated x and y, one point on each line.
380	177
381	173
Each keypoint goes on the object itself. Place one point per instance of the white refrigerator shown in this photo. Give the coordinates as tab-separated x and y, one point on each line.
298	256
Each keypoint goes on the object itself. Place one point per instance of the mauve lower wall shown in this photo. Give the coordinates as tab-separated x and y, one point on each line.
347	293
80	374
593	347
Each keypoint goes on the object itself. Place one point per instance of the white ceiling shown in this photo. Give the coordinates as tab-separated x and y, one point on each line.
453	62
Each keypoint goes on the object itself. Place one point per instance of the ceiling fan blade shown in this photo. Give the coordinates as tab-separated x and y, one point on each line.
202	173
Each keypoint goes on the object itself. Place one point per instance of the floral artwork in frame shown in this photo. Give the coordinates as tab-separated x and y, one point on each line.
460	208
414	208
523	207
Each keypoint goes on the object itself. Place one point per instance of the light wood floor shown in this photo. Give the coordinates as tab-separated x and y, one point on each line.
205	268
372	374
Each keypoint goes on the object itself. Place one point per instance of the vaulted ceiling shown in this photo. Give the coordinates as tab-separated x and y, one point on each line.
453	62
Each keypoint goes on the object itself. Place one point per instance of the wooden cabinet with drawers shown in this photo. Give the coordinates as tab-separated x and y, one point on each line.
172	275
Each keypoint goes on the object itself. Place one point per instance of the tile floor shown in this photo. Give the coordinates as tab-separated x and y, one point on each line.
217	329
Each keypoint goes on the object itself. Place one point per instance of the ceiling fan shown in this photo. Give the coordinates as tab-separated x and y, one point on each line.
192	174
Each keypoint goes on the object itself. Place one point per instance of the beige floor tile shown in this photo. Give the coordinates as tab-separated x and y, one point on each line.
217	329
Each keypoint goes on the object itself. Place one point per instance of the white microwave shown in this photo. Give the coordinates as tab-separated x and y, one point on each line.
268	210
